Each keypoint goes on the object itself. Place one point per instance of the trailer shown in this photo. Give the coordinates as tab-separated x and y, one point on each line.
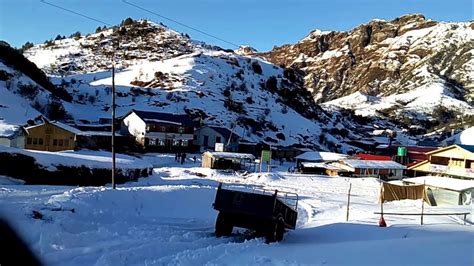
269	213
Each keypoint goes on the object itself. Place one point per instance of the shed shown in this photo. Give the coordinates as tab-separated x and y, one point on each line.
446	190
229	161
382	169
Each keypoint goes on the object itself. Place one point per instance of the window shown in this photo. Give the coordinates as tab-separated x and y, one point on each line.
55	142
35	141
28	141
60	142
152	142
184	143
176	142
161	142
181	130
147	128
218	140
40	141
66	142
163	129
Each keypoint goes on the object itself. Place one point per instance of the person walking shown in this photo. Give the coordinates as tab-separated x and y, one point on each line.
183	157
194	159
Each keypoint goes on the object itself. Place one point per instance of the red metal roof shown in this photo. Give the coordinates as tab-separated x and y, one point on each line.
373	157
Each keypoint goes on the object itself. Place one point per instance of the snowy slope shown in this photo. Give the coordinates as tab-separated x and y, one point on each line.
165	71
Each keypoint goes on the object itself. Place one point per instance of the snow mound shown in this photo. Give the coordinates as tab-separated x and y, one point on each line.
265	177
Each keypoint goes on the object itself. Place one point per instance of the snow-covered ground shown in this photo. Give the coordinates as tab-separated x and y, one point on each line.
168	219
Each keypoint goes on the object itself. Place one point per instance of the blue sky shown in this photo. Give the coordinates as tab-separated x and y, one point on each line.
259	23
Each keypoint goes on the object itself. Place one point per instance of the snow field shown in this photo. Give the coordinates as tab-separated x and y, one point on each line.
168	219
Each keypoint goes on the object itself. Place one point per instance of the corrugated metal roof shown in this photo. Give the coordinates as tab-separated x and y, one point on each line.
180	119
369	164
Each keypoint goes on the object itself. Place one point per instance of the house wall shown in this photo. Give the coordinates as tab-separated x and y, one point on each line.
212	134
18	142
135	126
48	137
5	142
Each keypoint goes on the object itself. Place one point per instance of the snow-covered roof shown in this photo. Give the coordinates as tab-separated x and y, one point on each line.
60	125
443	182
318	156
369	164
66	127
233	155
319	165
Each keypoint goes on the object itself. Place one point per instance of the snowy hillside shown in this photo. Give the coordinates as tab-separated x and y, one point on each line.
161	70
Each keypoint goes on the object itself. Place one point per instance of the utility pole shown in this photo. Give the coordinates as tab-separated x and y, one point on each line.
113	123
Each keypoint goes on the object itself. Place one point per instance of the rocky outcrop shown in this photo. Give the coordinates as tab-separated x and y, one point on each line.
382	58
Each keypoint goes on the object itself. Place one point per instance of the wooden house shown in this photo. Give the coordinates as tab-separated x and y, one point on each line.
51	136
455	160
157	131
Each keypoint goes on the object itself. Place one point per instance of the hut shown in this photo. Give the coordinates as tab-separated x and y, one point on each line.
229	161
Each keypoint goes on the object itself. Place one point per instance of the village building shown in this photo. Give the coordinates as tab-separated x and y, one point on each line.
361	168
319	156
157	131
455	161
444	191
51	136
229	161
12	136
206	138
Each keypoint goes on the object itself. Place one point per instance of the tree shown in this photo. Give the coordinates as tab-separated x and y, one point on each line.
99	29
26	46
58	37
256	67
127	21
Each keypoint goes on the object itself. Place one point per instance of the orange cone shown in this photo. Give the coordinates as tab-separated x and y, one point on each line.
382	222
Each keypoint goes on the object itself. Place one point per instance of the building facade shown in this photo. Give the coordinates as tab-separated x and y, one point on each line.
157	131
206	137
51	136
454	160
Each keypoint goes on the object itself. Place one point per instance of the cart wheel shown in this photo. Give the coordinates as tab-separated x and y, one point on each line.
276	232
223	225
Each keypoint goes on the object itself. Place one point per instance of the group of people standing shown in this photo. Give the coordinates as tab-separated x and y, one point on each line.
181	157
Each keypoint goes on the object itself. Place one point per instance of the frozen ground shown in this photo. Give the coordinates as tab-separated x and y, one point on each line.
168	219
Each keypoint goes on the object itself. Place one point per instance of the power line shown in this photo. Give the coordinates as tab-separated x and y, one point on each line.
76	13
179	23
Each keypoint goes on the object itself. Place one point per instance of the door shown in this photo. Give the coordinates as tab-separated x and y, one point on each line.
206	141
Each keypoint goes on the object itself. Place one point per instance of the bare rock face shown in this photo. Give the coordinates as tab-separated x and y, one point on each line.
383	58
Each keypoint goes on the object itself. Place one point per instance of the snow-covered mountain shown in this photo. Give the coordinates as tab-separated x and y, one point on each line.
408	67
161	70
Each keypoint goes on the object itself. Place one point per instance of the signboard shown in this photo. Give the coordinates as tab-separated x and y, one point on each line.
266	156
219	147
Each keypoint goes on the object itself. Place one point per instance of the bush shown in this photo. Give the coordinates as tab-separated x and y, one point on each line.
272	84
257	68
226	92
27	90
249	100
128	21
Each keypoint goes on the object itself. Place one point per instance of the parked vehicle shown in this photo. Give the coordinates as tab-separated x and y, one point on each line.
269	213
